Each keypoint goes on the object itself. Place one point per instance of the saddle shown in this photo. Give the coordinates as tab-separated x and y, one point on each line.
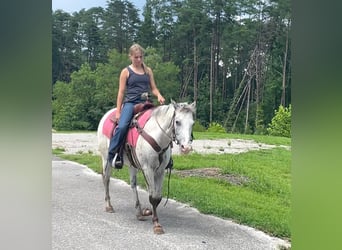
138	109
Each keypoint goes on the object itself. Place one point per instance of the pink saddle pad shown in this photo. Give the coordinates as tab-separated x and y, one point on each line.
108	127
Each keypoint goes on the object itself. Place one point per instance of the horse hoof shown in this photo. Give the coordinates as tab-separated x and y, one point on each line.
109	209
146	212
158	230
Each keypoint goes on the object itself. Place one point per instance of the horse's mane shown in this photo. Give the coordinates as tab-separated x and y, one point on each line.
162	110
185	107
167	111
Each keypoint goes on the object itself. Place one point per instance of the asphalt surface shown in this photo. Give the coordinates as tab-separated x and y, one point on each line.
79	220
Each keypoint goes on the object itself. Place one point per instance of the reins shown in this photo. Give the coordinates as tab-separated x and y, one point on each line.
168	186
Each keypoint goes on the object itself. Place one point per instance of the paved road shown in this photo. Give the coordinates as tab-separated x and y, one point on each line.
80	222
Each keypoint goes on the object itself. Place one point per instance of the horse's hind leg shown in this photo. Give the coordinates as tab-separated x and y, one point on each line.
140	213
107	171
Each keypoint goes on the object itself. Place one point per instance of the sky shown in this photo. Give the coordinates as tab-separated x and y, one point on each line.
76	5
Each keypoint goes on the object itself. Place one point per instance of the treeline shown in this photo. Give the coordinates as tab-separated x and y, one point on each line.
230	56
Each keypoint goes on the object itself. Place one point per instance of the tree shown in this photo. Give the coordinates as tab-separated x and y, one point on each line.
165	74
90	35
62	106
66	52
121	24
191	27
281	122
73	102
147	32
107	81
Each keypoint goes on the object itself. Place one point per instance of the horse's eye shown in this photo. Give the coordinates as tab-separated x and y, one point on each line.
178	123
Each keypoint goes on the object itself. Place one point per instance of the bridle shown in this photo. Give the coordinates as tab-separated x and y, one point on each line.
173	135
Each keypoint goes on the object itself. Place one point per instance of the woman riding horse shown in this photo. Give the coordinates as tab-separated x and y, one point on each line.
135	80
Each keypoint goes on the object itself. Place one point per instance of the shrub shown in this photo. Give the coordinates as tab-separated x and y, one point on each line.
281	122
198	127
216	128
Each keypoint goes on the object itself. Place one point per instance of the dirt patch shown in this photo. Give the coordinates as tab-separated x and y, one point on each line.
213	173
75	143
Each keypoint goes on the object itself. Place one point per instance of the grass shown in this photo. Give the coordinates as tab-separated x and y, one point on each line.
267	139
261	201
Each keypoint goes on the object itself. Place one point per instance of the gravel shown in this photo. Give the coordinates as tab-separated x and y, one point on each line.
75	143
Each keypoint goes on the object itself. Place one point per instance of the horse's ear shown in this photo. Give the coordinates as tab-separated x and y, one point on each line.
193	106
175	105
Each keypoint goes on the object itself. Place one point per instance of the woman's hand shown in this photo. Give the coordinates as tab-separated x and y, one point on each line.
117	115
161	99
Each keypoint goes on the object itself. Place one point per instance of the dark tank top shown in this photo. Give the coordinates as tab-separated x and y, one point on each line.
136	85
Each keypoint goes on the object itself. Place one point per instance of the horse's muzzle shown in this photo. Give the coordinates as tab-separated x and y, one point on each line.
185	149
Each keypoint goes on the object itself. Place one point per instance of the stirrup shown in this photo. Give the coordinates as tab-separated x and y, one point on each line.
117	161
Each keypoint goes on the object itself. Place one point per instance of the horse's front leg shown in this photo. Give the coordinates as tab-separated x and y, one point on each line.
155	197
107	171
140	213
157	228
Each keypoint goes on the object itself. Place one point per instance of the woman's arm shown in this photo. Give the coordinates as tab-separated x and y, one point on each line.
121	91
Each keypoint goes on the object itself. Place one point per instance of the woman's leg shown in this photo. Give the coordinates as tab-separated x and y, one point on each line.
121	130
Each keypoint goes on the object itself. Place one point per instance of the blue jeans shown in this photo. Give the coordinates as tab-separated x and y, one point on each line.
121	130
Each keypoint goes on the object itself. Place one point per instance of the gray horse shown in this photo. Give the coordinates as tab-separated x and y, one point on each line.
167	124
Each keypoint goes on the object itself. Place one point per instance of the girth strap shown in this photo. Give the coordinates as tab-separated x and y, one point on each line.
132	156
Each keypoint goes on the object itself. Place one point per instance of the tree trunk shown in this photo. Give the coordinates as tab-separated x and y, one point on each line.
247	108
211	82
195	69
282	102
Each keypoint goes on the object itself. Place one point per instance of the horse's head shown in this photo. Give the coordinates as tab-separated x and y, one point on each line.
183	122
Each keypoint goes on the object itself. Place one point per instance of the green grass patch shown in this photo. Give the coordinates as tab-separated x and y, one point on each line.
58	150
261	200
267	139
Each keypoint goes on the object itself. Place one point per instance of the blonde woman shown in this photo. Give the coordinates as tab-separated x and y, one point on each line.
135	80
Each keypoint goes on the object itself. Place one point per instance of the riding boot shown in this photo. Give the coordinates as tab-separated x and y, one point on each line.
117	161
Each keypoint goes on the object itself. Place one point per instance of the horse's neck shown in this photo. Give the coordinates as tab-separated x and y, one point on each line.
161	122
165	117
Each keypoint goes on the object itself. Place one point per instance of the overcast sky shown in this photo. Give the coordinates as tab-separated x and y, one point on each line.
76	5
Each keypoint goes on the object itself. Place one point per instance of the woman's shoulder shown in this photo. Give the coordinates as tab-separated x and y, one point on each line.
126	69
125	72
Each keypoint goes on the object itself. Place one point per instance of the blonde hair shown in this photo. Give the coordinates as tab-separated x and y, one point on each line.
134	48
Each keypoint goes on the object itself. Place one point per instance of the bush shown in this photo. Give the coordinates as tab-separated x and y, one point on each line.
281	122
198	127
216	128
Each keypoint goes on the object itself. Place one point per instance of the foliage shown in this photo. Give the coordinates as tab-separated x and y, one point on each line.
232	57
73	104
216	128
198	127
281	122
165	73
